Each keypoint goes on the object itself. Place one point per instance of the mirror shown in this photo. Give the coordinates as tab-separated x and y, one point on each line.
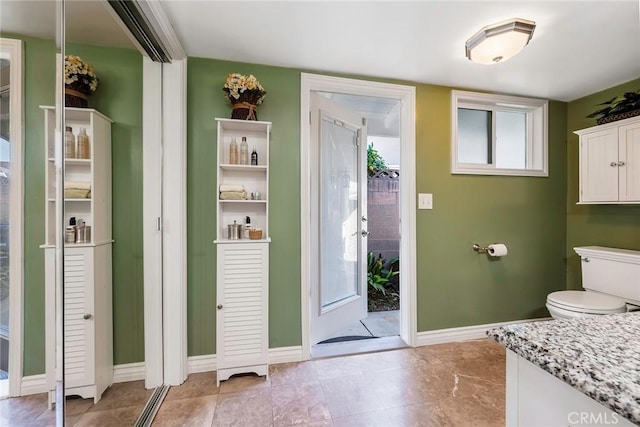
93	34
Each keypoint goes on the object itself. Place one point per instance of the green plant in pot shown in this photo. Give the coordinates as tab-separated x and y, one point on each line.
618	108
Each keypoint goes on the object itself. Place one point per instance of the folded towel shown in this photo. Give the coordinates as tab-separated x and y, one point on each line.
231	187
233	195
76	193
77	185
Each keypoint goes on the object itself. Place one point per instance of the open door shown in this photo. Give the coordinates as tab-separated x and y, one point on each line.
338	218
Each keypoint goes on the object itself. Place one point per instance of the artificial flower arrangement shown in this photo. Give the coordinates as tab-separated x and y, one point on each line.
80	80
244	93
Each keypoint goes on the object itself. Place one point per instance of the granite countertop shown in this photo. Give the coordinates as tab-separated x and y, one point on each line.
599	356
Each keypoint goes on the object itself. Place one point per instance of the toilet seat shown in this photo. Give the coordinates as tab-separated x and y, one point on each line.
586	302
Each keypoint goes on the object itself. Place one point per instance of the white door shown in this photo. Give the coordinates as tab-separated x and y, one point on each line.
338	218
599	166
629	162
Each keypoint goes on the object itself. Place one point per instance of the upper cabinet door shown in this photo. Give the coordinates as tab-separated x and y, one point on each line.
629	162
599	166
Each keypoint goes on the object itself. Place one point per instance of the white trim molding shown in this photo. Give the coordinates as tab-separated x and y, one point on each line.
174	221
33	384
203	363
285	354
408	279
152	216
12	49
464	333
129	372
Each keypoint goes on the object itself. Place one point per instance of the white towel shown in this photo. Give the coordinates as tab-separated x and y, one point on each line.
233	195
231	187
77	185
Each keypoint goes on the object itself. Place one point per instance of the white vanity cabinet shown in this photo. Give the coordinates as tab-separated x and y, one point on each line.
610	163
242	285
88	318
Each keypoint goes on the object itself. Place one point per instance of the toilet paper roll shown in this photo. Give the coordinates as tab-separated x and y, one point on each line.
497	249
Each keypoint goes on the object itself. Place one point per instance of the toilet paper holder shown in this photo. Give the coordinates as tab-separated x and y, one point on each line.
480	249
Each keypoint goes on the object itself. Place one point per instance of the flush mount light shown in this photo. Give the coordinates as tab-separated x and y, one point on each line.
499	42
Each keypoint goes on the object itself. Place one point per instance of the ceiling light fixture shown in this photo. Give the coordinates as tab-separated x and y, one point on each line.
499	42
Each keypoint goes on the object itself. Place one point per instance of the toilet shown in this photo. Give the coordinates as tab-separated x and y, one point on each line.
611	279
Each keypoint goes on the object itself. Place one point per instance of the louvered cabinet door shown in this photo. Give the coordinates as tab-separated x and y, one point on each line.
242	309
78	319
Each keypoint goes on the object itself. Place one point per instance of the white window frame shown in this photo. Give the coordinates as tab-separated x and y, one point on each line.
537	131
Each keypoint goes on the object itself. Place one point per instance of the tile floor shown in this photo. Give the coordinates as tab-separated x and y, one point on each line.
456	384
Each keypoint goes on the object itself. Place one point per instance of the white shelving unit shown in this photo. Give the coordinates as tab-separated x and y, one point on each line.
610	163
242	287
87	265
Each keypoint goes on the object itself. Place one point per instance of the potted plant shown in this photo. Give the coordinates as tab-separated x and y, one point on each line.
244	93
618	108
79	80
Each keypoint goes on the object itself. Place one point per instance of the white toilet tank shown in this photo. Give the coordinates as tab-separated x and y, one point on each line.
611	271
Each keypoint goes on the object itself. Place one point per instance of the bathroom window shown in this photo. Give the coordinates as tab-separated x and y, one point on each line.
498	135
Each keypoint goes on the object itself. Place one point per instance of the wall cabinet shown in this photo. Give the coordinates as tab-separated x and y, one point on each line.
87	263
610	163
242	287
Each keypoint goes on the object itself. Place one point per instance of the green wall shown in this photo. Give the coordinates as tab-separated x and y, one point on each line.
616	226
119	97
456	287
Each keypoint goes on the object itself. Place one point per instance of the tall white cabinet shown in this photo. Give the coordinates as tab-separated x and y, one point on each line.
610	163
242	320
87	266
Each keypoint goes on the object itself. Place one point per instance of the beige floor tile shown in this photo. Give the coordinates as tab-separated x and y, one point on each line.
195	411
123	395
197	385
22	411
299	404
110	418
415	415
244	408
292	373
469	411
350	395
365	419
244	382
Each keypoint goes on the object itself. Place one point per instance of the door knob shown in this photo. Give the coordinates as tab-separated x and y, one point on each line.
219	306
586	259
621	163
613	164
87	316
364	233
364	218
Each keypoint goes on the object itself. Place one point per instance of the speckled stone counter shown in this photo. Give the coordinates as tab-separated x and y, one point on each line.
599	356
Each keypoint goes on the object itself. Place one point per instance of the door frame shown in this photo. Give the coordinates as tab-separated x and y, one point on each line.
408	286
16	214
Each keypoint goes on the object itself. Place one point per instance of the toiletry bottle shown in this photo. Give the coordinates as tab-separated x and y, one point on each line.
233	151
244	151
70	232
247	227
69	143
80	232
254	157
83	144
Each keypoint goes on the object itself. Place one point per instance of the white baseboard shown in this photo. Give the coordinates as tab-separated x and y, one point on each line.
463	333
128	372
204	363
33	384
285	354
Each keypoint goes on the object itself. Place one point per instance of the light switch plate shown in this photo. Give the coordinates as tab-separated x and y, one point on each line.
425	201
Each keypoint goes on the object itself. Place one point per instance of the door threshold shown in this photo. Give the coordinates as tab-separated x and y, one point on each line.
358	346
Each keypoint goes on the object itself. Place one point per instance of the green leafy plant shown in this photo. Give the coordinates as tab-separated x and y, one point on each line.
379	272
630	101
374	160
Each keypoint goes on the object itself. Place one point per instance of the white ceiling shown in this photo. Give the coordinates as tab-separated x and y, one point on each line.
578	48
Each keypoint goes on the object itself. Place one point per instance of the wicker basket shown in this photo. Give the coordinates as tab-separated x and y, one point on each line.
75	98
255	234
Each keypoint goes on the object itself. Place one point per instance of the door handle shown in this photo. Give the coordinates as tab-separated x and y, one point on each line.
613	164
87	316
220	306
621	163
364	233
364	218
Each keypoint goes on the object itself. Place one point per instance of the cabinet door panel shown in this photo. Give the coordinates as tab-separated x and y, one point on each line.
598	177
629	153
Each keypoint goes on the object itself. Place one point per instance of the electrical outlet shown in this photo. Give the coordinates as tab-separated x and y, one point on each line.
425	201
